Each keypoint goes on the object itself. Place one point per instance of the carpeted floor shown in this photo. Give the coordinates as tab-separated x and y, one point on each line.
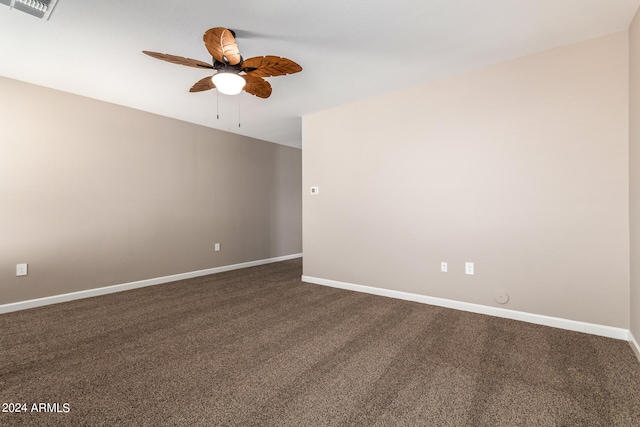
259	347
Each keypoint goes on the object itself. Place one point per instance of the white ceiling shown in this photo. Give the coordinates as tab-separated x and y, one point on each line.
349	49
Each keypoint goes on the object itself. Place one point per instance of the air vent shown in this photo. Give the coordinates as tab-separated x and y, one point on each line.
39	8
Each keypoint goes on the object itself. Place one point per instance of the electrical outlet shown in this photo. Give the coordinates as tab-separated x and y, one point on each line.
444	267
216	247
315	191
468	268
21	269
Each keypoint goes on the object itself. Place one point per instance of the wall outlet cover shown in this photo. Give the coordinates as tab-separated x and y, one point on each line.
469	268
21	269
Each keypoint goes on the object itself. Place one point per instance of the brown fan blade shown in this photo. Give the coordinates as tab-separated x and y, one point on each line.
267	66
178	60
257	86
202	85
221	44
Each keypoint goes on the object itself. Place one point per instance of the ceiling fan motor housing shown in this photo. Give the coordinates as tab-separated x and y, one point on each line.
225	67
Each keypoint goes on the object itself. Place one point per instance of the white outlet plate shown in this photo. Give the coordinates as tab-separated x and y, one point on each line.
314	190
444	267
21	269
216	247
469	269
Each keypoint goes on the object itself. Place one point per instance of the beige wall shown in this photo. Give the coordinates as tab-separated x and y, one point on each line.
521	168
94	194
634	178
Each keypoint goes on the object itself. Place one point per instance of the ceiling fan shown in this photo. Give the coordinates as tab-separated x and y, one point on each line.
233	73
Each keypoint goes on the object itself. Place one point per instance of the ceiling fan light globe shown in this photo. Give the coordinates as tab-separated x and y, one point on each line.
228	83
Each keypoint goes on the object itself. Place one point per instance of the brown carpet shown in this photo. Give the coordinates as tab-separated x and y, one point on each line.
259	347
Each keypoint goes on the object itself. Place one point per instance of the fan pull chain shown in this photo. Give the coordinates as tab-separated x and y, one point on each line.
238	111
217	105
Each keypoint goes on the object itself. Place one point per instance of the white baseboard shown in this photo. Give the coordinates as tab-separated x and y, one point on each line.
634	345
556	322
39	302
